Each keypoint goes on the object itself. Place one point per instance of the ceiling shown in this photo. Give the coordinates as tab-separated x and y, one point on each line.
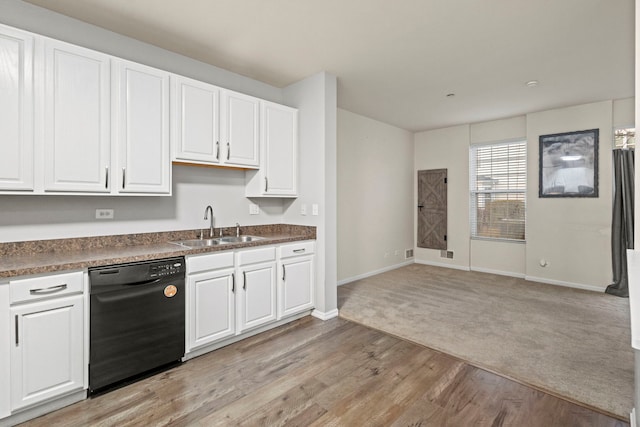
396	60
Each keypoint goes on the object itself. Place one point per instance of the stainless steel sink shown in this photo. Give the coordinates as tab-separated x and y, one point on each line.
205	243
198	243
240	239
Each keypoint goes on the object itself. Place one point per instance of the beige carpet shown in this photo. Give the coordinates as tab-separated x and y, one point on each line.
574	344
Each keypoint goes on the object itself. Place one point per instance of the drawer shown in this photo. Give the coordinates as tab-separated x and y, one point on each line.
297	249
35	288
196	263
253	256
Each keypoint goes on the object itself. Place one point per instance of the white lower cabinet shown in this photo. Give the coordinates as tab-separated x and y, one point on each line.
296	282
210	299
230	294
256	269
47	338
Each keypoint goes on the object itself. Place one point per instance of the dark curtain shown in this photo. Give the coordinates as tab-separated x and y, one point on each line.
622	224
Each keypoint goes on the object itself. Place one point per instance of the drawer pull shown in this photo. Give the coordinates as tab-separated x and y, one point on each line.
298	251
233	283
49	290
244	280
284	272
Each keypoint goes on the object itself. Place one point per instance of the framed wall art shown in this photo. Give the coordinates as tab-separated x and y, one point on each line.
569	164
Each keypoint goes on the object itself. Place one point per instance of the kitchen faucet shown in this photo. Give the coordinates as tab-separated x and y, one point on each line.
207	210
237	229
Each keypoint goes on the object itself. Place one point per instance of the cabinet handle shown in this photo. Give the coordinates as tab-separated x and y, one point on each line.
233	283
244	280
266	184
217	150
49	290
123	177
106	177
17	335
299	250
228	150
284	272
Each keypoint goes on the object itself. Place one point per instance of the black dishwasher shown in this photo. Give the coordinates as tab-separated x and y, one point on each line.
137	320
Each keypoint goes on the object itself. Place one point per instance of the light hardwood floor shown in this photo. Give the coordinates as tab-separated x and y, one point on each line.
333	373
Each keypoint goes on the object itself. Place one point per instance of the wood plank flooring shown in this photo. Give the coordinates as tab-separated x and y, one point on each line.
333	373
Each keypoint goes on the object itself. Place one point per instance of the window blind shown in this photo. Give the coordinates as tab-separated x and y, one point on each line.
498	184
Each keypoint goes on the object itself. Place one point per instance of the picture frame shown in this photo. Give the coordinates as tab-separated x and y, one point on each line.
569	164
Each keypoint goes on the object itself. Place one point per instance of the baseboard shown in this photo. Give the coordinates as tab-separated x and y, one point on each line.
44	408
442	264
373	273
498	272
565	284
325	315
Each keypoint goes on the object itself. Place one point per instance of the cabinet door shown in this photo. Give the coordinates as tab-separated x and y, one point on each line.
297	290
76	118
241	130
46	350
210	307
257	295
143	129
16	110
196	115
280	149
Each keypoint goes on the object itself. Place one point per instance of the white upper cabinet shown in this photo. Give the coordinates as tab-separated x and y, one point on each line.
141	128
240	130
214	126
76	118
16	109
196	121
278	174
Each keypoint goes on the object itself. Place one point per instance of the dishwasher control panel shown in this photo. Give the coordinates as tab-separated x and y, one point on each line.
166	269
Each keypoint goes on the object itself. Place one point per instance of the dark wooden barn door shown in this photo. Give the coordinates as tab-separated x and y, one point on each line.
432	209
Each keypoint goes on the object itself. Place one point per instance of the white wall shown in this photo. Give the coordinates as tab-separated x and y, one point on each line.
315	98
447	148
375	196
51	217
572	234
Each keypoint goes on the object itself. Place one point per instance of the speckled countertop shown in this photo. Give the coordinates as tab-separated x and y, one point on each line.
47	256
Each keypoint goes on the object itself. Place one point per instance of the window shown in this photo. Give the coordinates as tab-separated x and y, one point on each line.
498	184
625	137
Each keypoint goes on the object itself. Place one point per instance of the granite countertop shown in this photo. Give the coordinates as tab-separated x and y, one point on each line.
47	256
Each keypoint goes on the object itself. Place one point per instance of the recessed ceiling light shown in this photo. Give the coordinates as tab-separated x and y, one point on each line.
532	83
451	95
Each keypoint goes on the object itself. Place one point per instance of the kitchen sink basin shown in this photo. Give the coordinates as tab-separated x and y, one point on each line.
240	239
205	243
198	243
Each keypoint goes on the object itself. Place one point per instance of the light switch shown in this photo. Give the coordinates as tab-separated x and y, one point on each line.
303	209
314	209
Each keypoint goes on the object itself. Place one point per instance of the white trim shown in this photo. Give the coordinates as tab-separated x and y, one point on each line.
632	418
565	284
499	272
441	264
44	408
325	315
373	273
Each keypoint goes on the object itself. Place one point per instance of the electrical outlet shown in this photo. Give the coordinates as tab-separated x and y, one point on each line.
104	213
396	252
254	209
386	254
314	209
303	209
